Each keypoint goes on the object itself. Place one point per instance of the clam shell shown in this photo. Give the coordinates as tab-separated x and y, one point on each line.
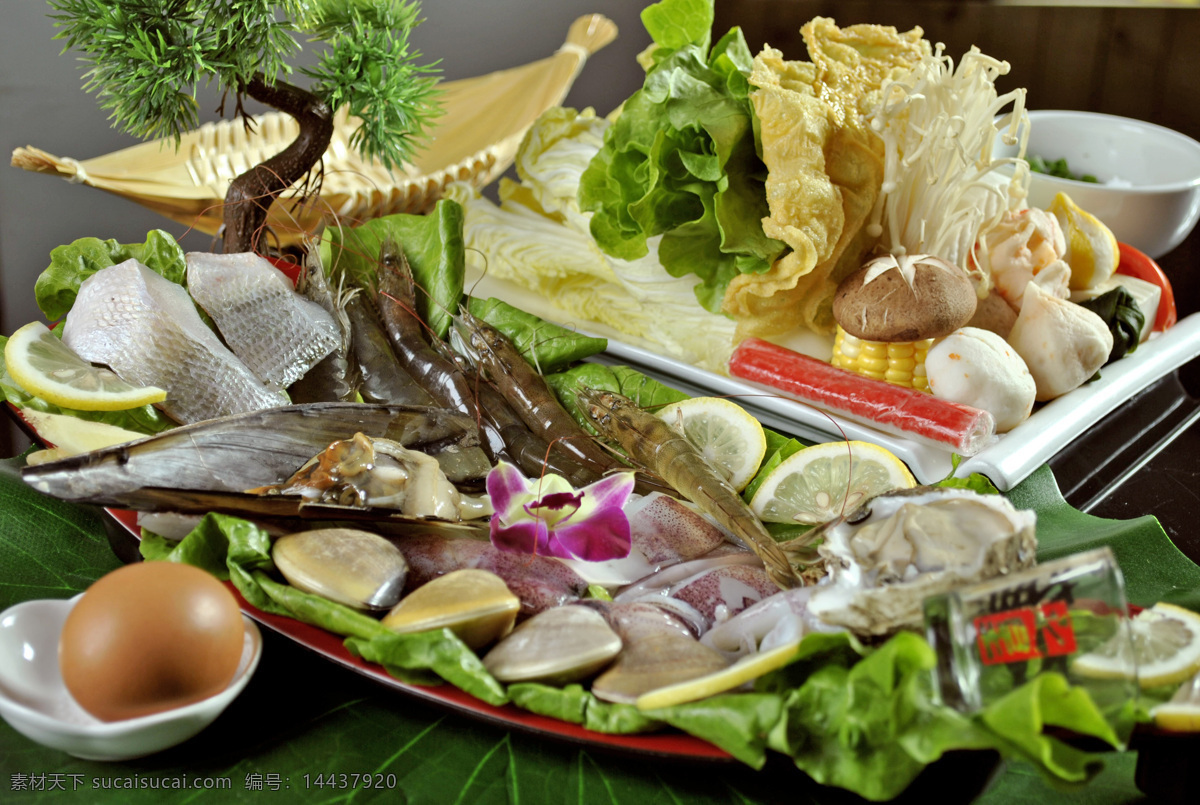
557	646
474	604
352	567
654	662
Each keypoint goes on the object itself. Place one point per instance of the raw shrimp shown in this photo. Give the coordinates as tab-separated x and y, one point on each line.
336	376
526	391
433	371
384	380
654	444
523	447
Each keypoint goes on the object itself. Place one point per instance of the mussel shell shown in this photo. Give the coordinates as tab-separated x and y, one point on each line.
474	604
352	567
557	646
243	451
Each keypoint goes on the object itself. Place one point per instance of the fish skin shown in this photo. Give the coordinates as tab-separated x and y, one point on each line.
147	330
275	331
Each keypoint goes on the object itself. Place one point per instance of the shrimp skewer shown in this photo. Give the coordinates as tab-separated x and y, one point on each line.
654	444
527	392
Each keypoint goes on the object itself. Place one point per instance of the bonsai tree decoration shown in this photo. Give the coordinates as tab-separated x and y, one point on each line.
149	57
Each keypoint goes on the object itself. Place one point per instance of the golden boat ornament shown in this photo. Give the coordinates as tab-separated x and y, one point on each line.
474	140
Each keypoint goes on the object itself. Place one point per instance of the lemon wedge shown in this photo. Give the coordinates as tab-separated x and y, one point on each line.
825	481
1166	643
45	367
730	439
71	435
1182	712
1092	251
736	675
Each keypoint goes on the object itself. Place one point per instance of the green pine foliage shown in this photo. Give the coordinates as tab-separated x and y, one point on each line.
147	58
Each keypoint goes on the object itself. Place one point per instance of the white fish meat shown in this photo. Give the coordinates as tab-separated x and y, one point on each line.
275	331
146	329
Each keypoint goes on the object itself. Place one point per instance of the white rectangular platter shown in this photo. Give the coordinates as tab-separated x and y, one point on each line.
1011	458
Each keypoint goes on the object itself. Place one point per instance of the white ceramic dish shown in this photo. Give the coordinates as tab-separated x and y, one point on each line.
35	702
1149	176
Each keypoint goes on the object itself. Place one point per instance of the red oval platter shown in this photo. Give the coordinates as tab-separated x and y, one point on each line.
667	744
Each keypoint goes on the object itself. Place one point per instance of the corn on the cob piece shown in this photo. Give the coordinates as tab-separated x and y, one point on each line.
900	362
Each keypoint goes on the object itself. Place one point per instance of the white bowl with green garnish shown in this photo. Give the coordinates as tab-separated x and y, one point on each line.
1148	177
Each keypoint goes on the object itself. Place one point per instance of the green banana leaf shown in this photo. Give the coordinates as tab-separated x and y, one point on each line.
306	727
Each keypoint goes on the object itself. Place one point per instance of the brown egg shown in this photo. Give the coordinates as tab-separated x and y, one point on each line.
149	637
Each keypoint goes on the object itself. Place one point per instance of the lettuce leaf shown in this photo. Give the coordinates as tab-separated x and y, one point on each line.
576	705
433	244
674	24
57	286
681	160
548	347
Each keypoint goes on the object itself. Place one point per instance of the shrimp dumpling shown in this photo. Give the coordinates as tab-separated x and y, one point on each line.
1062	343
1027	245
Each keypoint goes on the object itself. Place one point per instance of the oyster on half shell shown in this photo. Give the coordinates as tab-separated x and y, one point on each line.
898	548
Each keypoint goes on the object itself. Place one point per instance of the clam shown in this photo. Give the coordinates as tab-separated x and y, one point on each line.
474	604
557	646
887	556
656	661
352	567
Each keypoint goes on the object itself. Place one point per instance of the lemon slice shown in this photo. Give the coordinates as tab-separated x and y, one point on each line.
1182	712
731	440
825	481
1166	642
738	674
1092	251
45	367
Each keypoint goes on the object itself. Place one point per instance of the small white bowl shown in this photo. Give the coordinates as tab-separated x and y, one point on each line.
35	702
1149	189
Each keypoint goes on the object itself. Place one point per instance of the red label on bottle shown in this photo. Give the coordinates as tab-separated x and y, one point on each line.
1012	636
1057	632
1006	637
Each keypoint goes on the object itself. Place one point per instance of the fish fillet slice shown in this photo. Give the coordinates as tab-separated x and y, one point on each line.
275	331
146	329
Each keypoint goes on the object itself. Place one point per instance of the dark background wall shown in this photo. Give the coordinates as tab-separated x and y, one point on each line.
1139	60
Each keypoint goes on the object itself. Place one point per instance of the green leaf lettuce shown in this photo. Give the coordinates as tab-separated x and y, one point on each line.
681	160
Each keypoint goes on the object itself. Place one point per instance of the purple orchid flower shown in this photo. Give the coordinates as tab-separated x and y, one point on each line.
548	517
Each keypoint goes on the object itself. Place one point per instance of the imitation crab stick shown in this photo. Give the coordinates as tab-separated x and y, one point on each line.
888	407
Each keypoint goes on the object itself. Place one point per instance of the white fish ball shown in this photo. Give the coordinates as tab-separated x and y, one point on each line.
1062	343
978	368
